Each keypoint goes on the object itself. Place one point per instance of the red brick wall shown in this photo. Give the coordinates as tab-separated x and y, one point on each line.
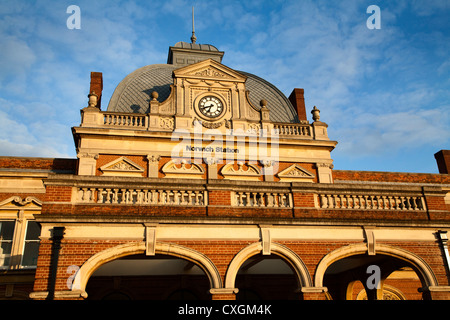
390	176
38	163
71	253
430	252
221	253
443	161
303	199
219	198
297	98
58	194
438	209
376	215
436	203
97	86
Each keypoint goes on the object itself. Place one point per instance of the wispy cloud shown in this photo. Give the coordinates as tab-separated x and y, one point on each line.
382	92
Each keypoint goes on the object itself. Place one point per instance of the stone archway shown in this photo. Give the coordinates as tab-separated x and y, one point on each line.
92	264
391	257
287	255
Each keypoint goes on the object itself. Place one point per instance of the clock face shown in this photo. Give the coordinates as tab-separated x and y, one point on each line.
210	106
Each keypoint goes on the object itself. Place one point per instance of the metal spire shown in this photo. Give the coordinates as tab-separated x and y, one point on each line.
193	38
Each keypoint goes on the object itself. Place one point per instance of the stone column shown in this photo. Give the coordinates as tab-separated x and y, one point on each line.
212	167
153	165
87	163
324	172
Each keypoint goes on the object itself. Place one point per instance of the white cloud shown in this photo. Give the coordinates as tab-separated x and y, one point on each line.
375	134
16	58
374	87
38	139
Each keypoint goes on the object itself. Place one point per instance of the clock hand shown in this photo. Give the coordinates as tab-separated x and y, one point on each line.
209	107
206	106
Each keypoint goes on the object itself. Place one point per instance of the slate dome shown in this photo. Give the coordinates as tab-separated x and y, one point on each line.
133	93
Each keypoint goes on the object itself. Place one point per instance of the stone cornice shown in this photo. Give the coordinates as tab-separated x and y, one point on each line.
224	184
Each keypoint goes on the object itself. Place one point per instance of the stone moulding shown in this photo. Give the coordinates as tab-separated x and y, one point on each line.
122	166
295	173
183	169
17	200
251	173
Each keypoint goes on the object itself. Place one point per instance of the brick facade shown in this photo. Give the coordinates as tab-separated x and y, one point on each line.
58	202
128	218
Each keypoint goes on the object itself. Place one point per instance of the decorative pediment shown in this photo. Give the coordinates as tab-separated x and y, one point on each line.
295	173
244	172
182	170
122	167
16	201
209	69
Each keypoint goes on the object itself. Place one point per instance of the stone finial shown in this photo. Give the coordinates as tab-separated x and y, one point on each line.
93	99
193	38
315	113
264	111
155	96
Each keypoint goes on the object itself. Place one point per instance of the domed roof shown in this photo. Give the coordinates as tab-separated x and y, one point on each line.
133	93
195	46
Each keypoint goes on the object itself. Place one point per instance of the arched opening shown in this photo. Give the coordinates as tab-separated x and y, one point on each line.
141	277
251	264
266	277
169	250
375	277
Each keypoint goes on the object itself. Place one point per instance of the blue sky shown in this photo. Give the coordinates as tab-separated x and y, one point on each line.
385	93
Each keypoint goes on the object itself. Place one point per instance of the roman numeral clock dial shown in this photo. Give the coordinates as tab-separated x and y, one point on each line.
210	107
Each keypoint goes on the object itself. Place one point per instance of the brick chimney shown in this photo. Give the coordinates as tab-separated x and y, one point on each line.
298	101
97	86
443	161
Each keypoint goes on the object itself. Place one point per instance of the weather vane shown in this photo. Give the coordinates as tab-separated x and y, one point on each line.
193	38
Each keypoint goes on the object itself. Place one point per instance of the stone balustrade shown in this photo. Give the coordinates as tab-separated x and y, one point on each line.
163	196
245	194
263	199
371	202
148	122
292	129
125	120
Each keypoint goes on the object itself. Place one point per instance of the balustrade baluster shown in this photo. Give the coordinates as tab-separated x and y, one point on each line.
323	201
139	196
195	198
283	200
100	195
240	197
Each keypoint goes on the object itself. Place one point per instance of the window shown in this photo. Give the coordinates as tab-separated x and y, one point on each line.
6	241
19	248
31	246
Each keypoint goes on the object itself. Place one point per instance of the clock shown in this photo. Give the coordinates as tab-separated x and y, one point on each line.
210	106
